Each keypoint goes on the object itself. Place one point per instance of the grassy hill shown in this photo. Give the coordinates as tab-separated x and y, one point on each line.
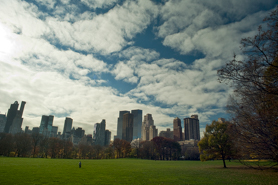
128	171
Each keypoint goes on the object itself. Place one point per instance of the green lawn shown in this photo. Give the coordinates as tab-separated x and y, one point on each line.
128	171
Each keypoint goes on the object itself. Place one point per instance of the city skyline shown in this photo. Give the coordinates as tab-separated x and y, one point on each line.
47	128
87	60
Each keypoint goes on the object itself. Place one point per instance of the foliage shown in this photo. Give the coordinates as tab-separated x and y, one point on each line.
166	148
254	103
216	142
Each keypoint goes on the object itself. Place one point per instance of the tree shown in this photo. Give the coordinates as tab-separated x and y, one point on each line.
147	150
36	137
6	144
216	142
166	148
66	149
117	144
135	145
254	103
22	144
126	148
44	146
55	145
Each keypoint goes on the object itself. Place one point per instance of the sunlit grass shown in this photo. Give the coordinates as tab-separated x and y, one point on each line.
128	171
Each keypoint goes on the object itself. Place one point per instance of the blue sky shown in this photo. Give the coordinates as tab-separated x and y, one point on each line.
89	59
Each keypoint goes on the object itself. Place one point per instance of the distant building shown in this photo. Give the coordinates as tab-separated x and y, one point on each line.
107	137
14	118
168	134
17	121
77	135
46	125
177	129
67	128
3	119
99	133
120	124
191	128
127	133
149	130
27	130
54	131
35	130
137	123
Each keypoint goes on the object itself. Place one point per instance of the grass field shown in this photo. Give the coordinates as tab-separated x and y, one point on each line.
128	171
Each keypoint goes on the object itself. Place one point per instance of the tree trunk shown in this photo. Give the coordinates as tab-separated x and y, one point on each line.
223	158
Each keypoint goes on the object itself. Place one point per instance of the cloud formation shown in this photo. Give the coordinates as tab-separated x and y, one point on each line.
83	59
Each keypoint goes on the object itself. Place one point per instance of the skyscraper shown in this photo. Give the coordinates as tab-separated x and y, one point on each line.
99	133
107	137
149	131
14	118
137	123
177	129
46	125
191	128
3	119
67	128
120	124
127	133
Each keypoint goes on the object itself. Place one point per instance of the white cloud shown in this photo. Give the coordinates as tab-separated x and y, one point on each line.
48	3
99	3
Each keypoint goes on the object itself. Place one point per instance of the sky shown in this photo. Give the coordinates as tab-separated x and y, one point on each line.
90	59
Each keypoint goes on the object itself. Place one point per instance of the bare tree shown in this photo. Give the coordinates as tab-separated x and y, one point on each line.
254	103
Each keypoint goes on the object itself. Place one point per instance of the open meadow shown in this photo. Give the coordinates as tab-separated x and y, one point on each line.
128	171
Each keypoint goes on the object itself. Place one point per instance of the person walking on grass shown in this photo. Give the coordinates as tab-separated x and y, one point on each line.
79	164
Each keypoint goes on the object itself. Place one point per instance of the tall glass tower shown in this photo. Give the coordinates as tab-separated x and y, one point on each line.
137	123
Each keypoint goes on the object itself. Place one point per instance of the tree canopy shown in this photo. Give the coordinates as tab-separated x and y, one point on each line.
254	103
216	142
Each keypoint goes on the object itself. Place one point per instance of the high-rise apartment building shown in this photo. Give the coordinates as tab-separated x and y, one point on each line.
46	125
137	123
168	134
54	131
127	133
149	130
67	128
3	119
191	128
177	129
36	130
107	137
120	124
14	118
99	133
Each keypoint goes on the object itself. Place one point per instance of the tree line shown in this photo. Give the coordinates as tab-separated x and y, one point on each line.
36	145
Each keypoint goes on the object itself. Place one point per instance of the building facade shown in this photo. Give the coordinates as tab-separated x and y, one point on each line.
191	128
3	119
99	133
46	125
137	123
14	118
127	133
120	124
177	129
107	137
168	133
149	130
67	128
